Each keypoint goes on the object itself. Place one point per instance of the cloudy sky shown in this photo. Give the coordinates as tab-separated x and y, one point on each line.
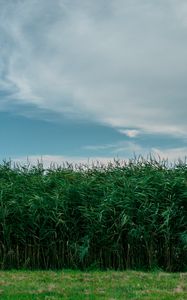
91	79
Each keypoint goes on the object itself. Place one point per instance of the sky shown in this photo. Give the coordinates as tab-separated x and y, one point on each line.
92	80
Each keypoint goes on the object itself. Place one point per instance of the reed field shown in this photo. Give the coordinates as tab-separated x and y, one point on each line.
124	215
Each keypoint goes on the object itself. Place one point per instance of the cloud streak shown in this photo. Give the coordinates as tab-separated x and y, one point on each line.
120	63
172	155
60	160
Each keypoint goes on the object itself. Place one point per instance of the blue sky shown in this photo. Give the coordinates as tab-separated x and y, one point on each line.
82	79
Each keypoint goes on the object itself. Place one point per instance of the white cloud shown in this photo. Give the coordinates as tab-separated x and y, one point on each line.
180	8
99	147
123	147
129	132
173	154
57	160
122	150
120	153
121	63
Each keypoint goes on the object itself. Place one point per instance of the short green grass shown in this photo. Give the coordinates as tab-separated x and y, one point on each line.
110	285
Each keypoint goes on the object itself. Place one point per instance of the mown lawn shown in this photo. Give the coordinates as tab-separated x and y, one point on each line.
78	285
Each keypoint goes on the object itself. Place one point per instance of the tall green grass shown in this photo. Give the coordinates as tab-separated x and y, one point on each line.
124	215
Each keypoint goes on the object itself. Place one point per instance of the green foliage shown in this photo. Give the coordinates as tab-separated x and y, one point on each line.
120	216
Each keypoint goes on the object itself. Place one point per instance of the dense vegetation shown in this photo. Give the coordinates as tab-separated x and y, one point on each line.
123	215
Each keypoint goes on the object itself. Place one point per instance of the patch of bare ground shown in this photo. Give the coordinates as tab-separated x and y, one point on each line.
164	274
4	283
182	287
151	291
50	288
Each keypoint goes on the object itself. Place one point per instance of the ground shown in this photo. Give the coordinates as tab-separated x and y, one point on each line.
110	285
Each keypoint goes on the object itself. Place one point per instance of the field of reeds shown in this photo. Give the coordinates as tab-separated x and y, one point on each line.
120	216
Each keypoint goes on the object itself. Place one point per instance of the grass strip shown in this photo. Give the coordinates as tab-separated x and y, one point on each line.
77	285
